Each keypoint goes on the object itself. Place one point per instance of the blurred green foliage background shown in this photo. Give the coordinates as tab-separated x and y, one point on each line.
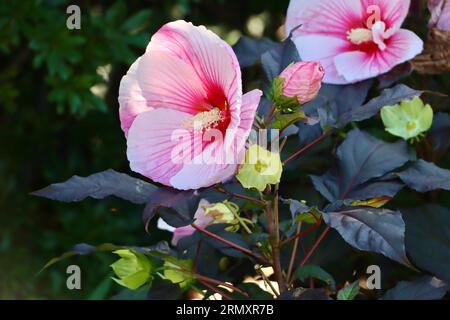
59	117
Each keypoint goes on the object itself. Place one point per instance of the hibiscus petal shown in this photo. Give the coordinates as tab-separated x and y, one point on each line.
357	65
323	49
168	82
250	102
131	100
151	144
393	12
181	233
328	18
211	58
294	16
219	160
185	68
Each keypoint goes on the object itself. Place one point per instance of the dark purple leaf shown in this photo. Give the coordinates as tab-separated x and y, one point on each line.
85	249
98	186
369	229
277	59
361	159
425	288
399	72
426	176
333	101
440	132
428	239
236	238
249	51
387	97
176	207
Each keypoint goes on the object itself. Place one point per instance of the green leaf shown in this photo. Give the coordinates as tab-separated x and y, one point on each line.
349	292
178	272
285	120
133	269
284	104
316	272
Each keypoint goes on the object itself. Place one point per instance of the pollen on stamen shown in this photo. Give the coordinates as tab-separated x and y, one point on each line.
359	35
203	120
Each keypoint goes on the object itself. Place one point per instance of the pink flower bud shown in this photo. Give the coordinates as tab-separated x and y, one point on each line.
440	14
302	80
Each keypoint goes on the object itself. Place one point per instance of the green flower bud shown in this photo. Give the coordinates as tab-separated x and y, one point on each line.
133	269
408	119
177	271
260	168
220	212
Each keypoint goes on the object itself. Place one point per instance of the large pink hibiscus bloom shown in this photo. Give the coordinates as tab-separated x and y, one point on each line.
174	100
354	40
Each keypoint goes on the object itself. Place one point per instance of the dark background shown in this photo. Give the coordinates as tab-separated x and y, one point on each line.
59	117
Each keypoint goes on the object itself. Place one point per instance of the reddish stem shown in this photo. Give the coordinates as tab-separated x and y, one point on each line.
241	196
275	241
303	233
314	247
197	254
270	116
229	243
220	283
294	253
212	288
308	146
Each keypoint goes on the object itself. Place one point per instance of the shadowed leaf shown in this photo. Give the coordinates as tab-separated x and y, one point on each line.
333	101
249	51
174	206
440	132
362	158
369	229
84	249
428	239
98	186
236	238
304	294
425	288
425	176
387	97
316	272
277	59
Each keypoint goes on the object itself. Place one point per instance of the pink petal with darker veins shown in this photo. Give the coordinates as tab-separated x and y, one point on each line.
357	65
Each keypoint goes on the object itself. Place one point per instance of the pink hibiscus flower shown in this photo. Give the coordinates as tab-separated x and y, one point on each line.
183	111
200	219
354	40
440	14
